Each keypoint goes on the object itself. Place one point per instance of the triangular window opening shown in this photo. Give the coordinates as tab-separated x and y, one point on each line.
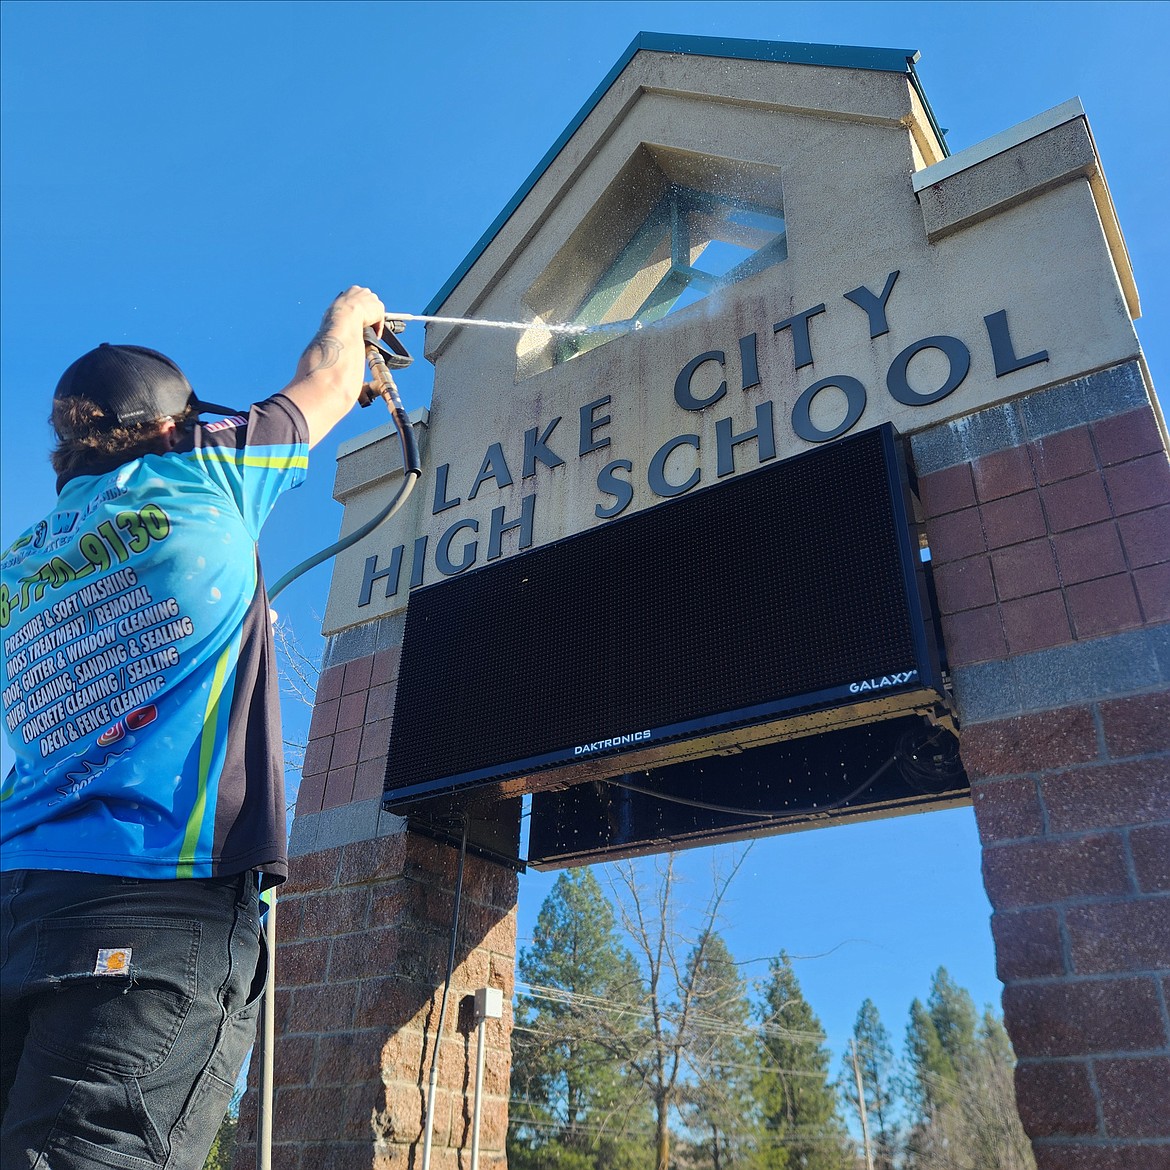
692	244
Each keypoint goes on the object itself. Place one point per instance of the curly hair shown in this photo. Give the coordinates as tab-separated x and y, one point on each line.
91	442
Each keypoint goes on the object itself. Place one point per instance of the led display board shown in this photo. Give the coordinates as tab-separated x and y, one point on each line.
779	603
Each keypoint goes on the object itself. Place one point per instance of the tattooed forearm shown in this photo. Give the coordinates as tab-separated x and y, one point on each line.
328	378
322	352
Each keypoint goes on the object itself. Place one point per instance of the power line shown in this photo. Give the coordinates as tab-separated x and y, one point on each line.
570	998
723	1066
758	1137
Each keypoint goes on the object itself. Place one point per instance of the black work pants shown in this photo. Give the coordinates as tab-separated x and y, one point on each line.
128	1008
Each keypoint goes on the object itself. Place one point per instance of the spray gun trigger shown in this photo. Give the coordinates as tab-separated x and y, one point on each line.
393	352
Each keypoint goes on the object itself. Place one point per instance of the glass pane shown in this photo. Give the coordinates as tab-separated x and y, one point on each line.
691	244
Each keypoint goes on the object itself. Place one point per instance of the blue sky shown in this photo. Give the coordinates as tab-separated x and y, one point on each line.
203	177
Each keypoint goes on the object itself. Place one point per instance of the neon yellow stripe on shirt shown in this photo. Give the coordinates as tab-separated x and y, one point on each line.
186	867
251	460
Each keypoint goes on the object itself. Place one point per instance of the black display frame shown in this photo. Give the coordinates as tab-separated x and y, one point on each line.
923	688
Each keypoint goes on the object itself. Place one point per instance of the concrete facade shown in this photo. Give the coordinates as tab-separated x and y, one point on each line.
983	302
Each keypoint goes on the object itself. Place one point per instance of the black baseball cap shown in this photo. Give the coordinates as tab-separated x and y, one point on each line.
133	383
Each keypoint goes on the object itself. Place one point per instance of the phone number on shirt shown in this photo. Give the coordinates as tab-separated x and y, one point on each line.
114	542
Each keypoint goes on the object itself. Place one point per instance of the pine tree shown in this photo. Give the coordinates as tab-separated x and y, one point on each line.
578	1108
941	1042
953	1012
962	1080
993	1038
722	1055
803	1129
931	1068
875	1059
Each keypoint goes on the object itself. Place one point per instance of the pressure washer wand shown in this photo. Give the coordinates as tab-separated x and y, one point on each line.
382	354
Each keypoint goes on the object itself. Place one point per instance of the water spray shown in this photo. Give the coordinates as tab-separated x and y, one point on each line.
627	326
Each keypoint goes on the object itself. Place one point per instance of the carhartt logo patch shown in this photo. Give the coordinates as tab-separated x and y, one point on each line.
113	961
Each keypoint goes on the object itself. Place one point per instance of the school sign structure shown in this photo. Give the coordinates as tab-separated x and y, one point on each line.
766	252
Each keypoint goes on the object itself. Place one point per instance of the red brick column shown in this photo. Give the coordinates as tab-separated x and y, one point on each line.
365	937
1074	813
1052	562
345	759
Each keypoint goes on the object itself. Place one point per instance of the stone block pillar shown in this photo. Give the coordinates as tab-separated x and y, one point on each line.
1049	525
365	929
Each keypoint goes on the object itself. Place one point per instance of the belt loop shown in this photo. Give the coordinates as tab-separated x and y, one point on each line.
245	890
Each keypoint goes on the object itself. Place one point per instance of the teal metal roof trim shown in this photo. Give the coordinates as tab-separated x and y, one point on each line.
792	52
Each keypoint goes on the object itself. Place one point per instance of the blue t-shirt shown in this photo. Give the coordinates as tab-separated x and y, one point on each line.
140	692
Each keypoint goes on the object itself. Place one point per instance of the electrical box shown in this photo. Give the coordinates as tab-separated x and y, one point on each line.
489	1003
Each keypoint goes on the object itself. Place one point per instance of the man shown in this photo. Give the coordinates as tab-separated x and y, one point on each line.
146	808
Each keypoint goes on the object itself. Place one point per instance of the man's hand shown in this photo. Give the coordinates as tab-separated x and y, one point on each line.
330	373
364	303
